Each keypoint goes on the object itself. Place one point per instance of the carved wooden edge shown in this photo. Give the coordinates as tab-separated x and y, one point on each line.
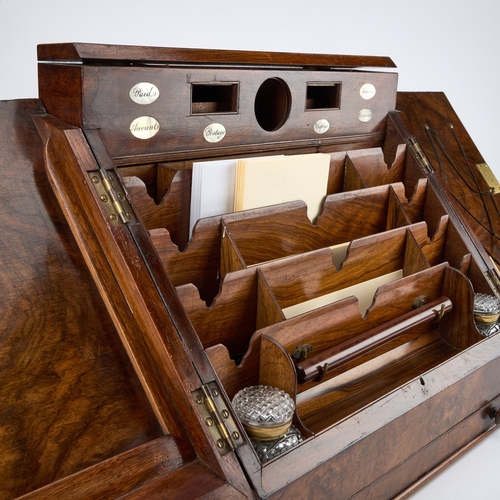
90	52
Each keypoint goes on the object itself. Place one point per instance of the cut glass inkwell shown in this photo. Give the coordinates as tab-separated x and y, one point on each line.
486	313
266	414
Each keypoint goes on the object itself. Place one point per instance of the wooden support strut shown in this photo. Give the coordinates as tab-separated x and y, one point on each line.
316	367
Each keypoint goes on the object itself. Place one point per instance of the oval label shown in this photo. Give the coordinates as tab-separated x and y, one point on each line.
144	93
367	91
144	127
321	126
214	132
365	115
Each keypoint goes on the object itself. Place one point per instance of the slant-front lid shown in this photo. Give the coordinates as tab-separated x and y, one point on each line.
123	54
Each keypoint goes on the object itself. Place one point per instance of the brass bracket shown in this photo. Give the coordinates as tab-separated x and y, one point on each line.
112	196
301	352
218	418
489	177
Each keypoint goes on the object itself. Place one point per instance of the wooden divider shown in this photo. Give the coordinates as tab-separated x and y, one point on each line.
172	209
242	275
311	275
372	169
199	263
399	341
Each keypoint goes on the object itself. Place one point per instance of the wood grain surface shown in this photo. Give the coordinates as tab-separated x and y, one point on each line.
69	396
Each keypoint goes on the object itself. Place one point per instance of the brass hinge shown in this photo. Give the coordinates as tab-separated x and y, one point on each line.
420	155
494	276
496	281
218	418
112	196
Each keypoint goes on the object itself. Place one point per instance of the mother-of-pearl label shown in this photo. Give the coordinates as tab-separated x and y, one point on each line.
367	91
144	93
144	127
365	115
321	126
214	132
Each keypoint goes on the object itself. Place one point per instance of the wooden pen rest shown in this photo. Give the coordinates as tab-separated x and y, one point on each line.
316	367
361	379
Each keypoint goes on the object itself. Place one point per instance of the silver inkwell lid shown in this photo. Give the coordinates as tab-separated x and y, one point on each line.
486	313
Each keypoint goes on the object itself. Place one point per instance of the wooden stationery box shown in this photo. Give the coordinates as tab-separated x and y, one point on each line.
364	314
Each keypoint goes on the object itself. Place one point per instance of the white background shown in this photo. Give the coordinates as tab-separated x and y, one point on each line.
439	45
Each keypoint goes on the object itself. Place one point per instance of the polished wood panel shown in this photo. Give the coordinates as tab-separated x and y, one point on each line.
69	396
454	158
98	97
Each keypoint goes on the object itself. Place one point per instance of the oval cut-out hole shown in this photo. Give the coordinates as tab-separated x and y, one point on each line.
272	104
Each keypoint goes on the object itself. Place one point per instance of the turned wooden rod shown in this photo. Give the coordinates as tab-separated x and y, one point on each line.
317	366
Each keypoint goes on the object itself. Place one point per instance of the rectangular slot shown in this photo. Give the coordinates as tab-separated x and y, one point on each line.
323	95
209	98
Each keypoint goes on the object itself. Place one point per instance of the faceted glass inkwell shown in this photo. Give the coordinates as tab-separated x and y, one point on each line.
486	313
266	414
